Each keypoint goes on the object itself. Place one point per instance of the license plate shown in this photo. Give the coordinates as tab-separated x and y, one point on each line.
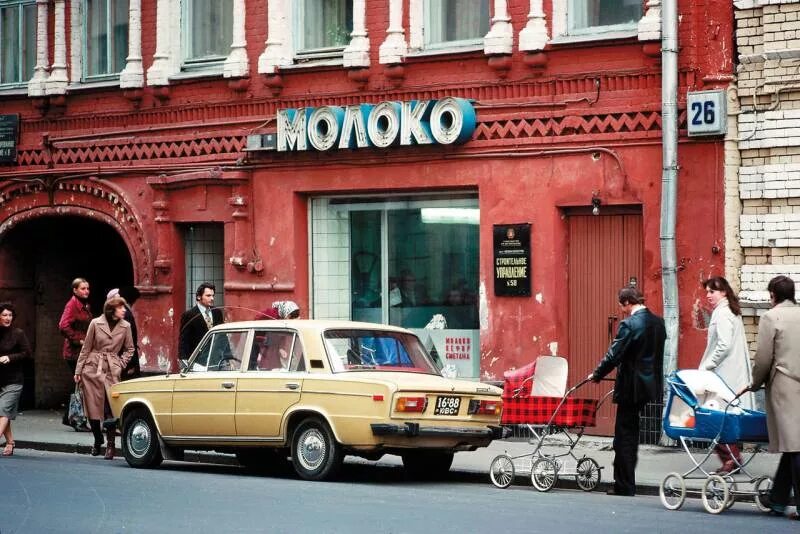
447	406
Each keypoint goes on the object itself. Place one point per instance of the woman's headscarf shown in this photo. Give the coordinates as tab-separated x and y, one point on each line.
285	308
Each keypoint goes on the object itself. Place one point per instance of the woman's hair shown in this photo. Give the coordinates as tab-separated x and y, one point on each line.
717	283
78	281
782	288
112	304
10	307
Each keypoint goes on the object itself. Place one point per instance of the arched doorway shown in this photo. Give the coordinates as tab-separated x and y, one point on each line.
39	258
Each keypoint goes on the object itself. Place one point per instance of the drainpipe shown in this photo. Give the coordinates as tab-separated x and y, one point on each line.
669	178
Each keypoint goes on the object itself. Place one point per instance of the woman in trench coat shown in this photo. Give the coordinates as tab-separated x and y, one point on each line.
727	355
777	365
106	351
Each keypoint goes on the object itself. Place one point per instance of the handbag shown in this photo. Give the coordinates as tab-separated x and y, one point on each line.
75	414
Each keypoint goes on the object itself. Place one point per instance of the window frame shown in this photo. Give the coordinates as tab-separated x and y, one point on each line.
297	352
427	24
20	6
85	76
302	54
209	341
563	30
194	64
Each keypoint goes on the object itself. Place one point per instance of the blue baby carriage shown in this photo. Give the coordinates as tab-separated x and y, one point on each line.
701	408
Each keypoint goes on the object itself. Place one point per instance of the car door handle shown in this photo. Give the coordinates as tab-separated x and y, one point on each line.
227	385
292	385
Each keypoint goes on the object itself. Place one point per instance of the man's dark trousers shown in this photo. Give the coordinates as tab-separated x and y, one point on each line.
786	476
626	448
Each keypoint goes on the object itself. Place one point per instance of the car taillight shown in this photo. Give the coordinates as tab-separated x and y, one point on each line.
410	404
485	407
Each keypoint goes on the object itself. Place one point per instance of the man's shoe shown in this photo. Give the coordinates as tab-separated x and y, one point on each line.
613	491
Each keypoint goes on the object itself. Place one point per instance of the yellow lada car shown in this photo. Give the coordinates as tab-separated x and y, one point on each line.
312	390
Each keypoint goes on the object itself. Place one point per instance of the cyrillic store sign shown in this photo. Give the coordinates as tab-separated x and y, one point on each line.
418	122
512	260
9	134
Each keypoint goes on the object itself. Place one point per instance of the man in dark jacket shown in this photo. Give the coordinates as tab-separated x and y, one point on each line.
198	320
638	354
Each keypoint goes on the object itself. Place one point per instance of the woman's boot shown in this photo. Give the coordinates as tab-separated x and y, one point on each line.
94	424
110	447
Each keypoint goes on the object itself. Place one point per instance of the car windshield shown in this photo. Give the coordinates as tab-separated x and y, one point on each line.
359	350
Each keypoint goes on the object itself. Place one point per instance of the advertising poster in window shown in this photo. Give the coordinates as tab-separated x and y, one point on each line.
9	133
512	260
456	351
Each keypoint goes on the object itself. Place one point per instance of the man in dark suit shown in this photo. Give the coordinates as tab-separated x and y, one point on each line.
638	355
198	319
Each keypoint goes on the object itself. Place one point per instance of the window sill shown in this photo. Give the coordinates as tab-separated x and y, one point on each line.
593	37
210	71
99	84
445	50
14	90
306	63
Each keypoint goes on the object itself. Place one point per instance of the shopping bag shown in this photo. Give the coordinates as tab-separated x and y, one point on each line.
75	415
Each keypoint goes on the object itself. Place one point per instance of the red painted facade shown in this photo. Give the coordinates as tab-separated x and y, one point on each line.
553	129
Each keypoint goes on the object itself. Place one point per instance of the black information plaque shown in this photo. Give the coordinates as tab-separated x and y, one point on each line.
512	260
9	133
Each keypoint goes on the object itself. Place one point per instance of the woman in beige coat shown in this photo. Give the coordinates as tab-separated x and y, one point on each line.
106	351
777	365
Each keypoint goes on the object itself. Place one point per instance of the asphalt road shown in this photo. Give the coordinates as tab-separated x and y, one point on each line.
56	492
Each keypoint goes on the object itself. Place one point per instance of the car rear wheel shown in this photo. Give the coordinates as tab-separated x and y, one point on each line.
427	464
140	440
315	453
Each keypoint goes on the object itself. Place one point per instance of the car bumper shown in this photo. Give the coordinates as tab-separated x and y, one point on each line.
414	429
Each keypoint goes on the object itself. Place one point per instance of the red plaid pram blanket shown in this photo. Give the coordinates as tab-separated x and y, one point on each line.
519	407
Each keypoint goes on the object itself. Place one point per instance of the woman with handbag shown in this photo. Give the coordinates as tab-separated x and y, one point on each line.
14	349
106	351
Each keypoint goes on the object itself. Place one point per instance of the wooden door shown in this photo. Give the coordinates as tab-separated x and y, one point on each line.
605	254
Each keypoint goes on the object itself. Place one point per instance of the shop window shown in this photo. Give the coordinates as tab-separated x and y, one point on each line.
17	41
455	23
106	37
207	31
204	257
322	27
589	17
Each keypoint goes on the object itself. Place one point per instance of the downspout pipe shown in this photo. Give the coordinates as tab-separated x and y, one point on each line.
669	179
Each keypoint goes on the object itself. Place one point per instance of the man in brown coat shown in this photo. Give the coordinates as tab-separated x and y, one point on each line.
777	365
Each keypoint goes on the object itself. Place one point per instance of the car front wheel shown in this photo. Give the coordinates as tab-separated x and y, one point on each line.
140	440
315	453
427	464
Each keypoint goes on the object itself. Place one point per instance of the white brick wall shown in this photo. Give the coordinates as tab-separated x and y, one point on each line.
769	129
770	181
770	230
756	277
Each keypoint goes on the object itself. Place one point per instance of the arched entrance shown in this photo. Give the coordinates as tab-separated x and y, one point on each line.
39	258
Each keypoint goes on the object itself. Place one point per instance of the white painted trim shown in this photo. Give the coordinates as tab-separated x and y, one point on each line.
36	85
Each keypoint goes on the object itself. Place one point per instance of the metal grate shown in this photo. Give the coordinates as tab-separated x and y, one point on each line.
204	260
650	420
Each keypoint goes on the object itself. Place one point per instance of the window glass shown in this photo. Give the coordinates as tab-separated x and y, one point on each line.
106	36
359	350
204	260
454	22
324	25
593	15
209	31
221	351
17	41
275	350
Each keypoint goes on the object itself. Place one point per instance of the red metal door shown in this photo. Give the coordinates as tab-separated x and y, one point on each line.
605	253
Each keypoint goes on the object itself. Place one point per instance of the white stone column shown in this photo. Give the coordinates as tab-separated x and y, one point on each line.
279	51
166	59
357	52
500	38
58	80
533	36
36	85
394	48
132	75
650	24
236	64
416	17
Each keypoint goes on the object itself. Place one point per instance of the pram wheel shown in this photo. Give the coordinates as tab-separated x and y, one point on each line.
715	494
761	487
672	491
587	474
544	474
501	471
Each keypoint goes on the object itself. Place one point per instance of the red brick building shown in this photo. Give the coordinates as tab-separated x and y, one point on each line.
132	166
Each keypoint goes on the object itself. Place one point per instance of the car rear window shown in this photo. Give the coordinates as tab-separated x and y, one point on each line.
375	350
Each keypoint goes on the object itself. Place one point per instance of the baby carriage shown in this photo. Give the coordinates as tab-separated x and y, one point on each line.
702	408
535	399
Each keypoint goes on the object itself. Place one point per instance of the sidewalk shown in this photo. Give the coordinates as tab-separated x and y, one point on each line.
42	430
